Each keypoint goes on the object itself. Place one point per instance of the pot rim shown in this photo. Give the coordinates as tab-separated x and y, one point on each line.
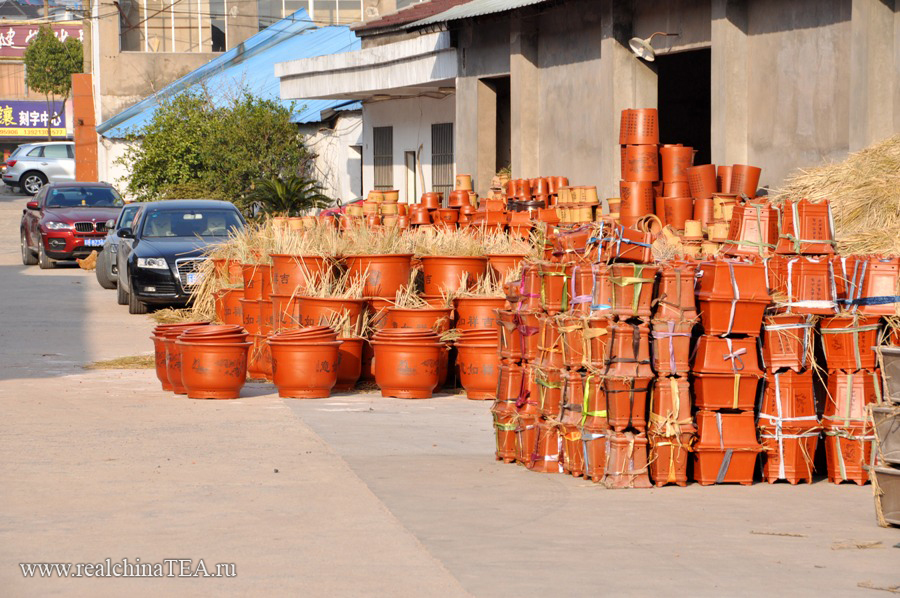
190	344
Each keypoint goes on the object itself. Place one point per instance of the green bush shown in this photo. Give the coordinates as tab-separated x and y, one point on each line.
194	147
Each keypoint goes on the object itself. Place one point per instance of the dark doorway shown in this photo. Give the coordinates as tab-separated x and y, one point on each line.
504	124
684	100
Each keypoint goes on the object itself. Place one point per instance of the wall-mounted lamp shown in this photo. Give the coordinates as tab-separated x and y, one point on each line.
642	47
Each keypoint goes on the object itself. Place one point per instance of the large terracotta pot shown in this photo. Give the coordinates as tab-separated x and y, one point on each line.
672	346
675	160
789	400
228	306
669	458
431	200
446	272
877	289
848	453
407	369
788	341
744	180
675	298
160	334
385	274
316	311
670	407
594	442
723	179
439	319
213	370
789	452
504	265
847	397
627	399
293	272
753	230
848	341
702	180
350	356
554	296
732	297
626	461
724	436
255	368
703	211
304	370
632	286
641	163
479	365
250	279
478	312
639	126
284	312
806	228
678	210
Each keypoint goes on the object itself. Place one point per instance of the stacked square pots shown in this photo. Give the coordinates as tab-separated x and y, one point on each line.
731	296
886	426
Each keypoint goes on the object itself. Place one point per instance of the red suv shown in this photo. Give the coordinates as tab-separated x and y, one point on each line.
67	221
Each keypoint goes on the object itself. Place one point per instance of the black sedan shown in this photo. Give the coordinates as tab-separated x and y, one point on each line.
159	256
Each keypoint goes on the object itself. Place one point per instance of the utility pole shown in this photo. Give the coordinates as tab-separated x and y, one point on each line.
47	9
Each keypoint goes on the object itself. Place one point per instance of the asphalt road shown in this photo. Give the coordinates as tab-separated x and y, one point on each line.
355	495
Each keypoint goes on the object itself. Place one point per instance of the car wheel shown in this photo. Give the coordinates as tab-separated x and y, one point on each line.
121	295
102	271
28	257
43	261
32	182
135	306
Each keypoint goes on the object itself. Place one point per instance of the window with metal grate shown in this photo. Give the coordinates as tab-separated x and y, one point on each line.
383	144
442	158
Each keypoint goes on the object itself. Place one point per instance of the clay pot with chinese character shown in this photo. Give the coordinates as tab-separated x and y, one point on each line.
213	361
479	365
292	272
305	366
350	355
317	311
228	306
407	363
478	312
445	273
385	274
161	334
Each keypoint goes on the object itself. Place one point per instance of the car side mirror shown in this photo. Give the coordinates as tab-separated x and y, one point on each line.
110	224
32	205
125	233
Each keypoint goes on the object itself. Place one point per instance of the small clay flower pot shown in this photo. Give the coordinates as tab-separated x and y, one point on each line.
213	370
445	216
159	350
637	197
431	200
702	181
228	306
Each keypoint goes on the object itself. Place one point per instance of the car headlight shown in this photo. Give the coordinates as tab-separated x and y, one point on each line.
158	263
56	225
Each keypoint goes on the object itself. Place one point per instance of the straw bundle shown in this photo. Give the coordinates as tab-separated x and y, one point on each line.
864	191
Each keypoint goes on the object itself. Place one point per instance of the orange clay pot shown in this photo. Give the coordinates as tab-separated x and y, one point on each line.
174	366
848	341
671	346
594	443
632	286
504	265
848	395
675	299
726	449
407	369
546	456
723	178
744	179
304	370
675	161
316	311
445	273
439	319
702	181
213	370
349	363
789	453
228	306
848	452
716	297
250	315
641	163
292	272
626	399
753	230
806	228
477	312
639	126
678	210
385	274
479	365
669	457
510	335
629	350
284	312
626	461
250	279
788	341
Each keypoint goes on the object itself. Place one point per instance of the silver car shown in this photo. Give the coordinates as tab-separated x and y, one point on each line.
33	165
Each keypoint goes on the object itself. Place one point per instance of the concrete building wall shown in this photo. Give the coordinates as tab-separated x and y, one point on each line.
109	151
793	83
338	165
411	119
798	84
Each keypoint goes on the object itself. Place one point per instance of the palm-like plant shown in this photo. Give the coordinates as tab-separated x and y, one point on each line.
289	196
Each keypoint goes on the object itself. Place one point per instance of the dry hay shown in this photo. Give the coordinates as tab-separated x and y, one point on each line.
133	362
864	191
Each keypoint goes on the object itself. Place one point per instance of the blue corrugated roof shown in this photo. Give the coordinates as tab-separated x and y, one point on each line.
252	63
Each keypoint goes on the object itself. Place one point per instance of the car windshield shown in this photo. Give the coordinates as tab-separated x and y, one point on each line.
191	223
127	217
83	197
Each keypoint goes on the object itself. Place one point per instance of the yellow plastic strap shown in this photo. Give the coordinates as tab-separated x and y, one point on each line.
737	389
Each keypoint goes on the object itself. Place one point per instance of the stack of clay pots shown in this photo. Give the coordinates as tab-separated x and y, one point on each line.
639	142
675	206
213	361
732	297
379	208
305	362
408	362
671	430
256	311
168	355
577	205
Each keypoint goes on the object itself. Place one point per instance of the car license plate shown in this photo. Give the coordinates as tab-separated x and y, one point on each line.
93	242
193	278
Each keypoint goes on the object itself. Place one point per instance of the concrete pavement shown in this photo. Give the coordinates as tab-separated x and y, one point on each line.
354	495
